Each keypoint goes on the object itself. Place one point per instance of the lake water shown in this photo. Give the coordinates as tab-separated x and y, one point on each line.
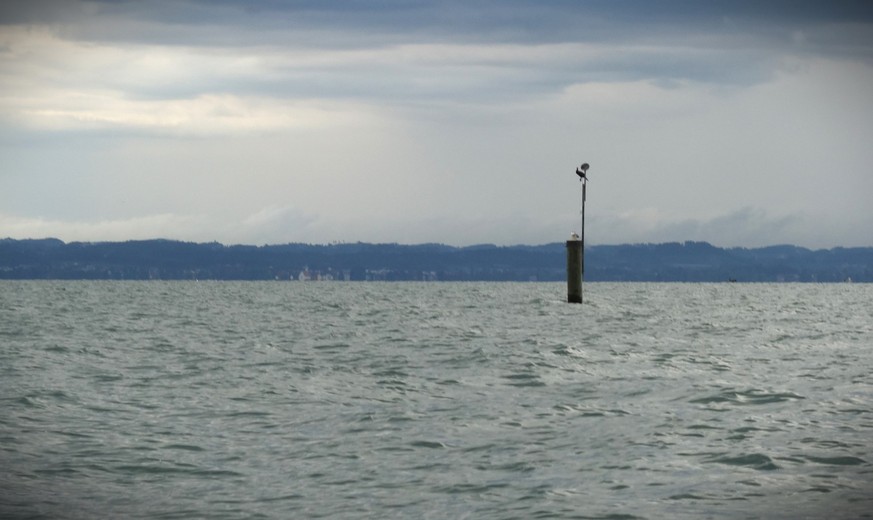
412	400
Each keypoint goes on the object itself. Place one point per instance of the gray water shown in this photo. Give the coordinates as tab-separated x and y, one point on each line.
412	400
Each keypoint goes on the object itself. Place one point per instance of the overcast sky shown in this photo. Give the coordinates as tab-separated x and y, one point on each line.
741	123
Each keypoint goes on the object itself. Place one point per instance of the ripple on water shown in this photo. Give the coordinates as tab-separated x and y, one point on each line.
757	461
751	397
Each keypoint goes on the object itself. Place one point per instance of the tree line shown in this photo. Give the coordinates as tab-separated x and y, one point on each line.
668	262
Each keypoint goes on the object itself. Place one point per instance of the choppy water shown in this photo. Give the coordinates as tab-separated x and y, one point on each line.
403	400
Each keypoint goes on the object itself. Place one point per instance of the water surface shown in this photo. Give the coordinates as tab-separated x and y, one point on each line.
412	400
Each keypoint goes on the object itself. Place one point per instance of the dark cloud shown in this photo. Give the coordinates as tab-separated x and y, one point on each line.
733	42
384	21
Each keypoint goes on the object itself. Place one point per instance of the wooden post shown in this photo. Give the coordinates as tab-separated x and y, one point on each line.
574	270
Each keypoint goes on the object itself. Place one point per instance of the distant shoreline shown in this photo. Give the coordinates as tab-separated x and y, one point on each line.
665	262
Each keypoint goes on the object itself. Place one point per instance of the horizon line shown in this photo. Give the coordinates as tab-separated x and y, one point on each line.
443	244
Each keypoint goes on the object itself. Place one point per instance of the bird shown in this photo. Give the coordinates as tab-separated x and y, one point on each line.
582	171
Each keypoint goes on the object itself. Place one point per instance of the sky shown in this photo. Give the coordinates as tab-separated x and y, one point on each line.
741	123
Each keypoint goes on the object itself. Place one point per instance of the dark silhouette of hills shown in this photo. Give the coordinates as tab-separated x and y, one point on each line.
174	260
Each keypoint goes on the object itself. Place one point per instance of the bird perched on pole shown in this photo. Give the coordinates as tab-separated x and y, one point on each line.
581	171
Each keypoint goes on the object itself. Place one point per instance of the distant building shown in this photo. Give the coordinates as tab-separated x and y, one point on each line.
307	275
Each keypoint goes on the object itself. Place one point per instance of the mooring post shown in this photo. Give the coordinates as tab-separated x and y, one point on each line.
576	248
574	269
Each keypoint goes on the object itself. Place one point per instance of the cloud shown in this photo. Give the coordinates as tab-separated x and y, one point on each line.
271	224
746	227
183	227
276	223
435	20
486	56
98	87
63	71
200	116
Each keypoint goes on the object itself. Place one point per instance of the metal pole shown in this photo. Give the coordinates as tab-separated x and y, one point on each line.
582	235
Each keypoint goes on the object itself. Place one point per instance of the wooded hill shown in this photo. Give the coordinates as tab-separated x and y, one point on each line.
675	261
